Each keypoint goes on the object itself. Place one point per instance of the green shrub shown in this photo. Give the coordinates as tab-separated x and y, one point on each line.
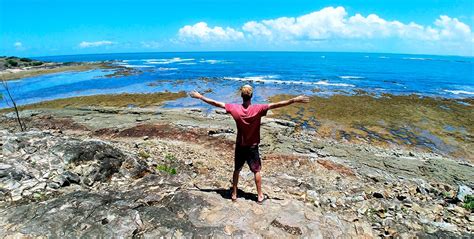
167	169
469	202
37	63
12	62
26	60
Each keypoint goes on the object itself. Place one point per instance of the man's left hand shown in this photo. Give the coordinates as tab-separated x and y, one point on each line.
195	94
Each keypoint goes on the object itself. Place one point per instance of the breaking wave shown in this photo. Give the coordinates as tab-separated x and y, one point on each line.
272	79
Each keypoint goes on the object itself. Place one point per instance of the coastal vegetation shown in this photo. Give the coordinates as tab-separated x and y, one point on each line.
469	202
16	62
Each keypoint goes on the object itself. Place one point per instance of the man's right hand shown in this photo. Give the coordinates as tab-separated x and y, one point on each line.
195	94
301	99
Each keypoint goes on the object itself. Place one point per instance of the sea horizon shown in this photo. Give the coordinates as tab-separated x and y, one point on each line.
238	51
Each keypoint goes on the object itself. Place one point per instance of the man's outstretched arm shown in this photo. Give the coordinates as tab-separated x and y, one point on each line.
298	99
196	95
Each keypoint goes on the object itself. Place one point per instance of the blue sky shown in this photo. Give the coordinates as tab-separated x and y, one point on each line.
58	27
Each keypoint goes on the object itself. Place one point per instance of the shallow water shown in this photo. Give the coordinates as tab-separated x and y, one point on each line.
271	73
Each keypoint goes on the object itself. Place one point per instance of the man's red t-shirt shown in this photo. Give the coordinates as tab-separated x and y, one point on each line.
248	122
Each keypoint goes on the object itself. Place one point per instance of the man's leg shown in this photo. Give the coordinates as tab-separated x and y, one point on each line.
239	161
235	181
255	165
258	183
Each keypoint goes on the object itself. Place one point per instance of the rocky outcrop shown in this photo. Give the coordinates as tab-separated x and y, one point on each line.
159	179
33	162
56	186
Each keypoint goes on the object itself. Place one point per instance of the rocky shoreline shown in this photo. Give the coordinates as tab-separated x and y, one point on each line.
155	172
13	68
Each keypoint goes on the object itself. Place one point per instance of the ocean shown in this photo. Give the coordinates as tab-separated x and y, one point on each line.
221	73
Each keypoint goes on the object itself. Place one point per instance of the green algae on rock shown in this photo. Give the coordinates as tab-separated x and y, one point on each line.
112	100
436	124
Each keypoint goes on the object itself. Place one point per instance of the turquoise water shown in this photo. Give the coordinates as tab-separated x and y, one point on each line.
270	72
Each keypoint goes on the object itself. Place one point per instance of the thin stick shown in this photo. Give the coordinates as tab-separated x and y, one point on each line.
5	85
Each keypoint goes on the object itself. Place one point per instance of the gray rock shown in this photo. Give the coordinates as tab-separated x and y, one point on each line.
4	166
71	177
60	180
312	195
23	114
463	191
10	184
101	160
53	185
134	168
285	123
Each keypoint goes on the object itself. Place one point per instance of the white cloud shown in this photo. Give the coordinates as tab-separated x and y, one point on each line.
452	28
256	28
201	32
334	23
86	44
18	45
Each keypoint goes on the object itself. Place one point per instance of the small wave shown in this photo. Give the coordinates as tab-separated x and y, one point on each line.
460	92
384	57
167	61
167	69
417	58
267	79
351	77
187	63
325	82
135	66
214	61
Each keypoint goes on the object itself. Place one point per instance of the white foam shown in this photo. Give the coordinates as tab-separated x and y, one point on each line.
460	92
383	57
187	63
417	58
213	61
270	79
167	69
167	61
324	82
351	77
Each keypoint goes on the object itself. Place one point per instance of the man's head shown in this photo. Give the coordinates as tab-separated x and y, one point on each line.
246	92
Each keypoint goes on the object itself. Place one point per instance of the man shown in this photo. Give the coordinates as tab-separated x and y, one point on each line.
248	118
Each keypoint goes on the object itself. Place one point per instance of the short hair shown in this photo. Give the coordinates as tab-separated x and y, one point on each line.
246	92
